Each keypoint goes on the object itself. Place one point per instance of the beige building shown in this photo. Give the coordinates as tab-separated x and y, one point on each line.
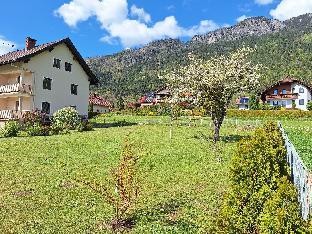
99	104
46	77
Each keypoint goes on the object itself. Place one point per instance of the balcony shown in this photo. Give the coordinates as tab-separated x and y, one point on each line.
11	114
288	96
15	88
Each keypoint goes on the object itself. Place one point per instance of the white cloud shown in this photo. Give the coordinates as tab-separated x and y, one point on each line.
291	8
141	14
242	18
204	27
6	46
106	11
114	18
264	2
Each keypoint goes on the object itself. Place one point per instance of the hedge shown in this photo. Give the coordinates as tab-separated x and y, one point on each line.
276	114
261	198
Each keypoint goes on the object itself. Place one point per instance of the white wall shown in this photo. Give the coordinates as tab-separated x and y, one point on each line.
243	107
60	94
306	96
280	102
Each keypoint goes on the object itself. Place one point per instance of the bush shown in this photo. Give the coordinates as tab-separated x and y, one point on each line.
281	211
66	118
258	186
309	106
11	129
85	126
122	190
37	130
30	118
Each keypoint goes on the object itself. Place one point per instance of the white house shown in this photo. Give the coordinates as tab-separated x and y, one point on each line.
288	93
243	103
46	77
99	104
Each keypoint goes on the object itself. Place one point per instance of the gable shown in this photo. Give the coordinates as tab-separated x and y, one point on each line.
26	55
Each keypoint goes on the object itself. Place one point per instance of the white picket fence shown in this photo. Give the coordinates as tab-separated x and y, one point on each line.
300	175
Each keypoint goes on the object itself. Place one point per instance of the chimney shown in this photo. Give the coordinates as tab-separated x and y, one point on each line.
30	43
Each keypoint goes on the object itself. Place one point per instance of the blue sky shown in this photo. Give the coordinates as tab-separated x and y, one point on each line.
108	26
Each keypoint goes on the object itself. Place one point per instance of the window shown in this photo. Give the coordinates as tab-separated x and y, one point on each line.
301	102
16	105
301	90
68	66
283	103
275	103
284	91
293	90
57	63
45	107
47	83
275	91
74	89
19	79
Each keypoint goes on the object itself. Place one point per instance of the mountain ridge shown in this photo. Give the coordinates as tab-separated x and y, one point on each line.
282	46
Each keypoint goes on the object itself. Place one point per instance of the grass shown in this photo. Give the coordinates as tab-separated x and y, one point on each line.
299	132
183	179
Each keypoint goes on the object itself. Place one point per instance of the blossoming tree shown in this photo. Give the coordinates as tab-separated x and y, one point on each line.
213	83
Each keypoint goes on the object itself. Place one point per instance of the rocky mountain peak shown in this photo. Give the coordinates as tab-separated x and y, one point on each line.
255	26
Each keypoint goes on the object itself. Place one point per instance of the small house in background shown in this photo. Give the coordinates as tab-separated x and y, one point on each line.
148	100
243	103
155	98
288	93
162	95
99	104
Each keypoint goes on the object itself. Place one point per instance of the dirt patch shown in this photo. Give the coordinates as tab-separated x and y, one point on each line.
67	185
125	225
26	193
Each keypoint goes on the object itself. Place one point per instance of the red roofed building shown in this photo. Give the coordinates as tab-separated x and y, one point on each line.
45	77
99	104
288	93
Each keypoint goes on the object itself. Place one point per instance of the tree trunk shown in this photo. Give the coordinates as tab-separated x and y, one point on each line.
217	121
216	136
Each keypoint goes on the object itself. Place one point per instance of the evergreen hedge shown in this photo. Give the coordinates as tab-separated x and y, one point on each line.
261	199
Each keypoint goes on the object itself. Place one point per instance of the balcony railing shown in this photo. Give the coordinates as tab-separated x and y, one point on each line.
11	114
15	88
282	96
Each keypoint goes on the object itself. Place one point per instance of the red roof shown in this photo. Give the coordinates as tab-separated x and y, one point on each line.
24	55
99	100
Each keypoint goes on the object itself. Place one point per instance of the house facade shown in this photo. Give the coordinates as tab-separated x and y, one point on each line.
99	104
243	103
155	98
47	77
288	93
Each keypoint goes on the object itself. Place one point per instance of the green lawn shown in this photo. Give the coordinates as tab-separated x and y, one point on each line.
300	134
182	178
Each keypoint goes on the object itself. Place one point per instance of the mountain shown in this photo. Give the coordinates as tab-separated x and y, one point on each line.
284	48
256	26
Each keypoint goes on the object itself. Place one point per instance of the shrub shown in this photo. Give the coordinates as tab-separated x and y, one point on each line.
66	118
256	173
281	211
85	126
37	130
30	118
11	129
123	189
309	106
